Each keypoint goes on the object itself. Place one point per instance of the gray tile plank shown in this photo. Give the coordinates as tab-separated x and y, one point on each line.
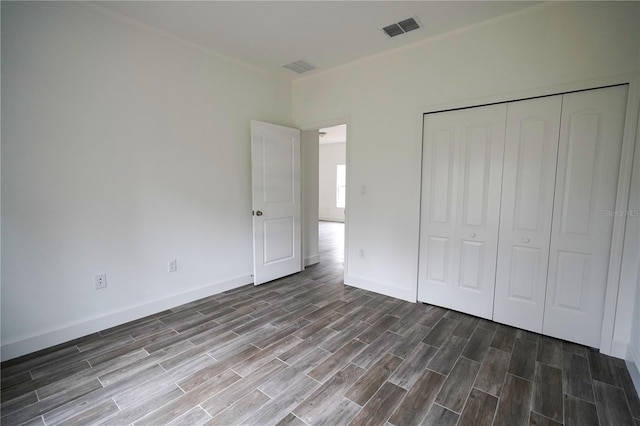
536	419
440	332
523	359
377	349
456	388
440	416
373	379
547	392
549	352
576	377
342	338
611	405
132	395
93	414
447	355
479	409
336	361
194	417
603	368
415	405
239	411
411	368
44	406
378	409
263	357
222	400
478	344
121	373
630	391
373	332
189	400
579	413
19	402
527	335
145	405
574	348
291	374
197	378
291	420
504	338
493	371
340	412
317	325
278	407
466	327
316	404
513	408
275	337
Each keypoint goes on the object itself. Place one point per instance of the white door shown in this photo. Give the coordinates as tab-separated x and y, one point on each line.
530	154
462	176
587	178
275	171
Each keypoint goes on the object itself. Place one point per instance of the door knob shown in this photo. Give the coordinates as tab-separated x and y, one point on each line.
473	235
258	213
526	240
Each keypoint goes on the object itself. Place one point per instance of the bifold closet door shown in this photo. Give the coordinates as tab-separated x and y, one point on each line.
589	152
530	154
462	177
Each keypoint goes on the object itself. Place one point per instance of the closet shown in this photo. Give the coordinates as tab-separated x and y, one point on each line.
516	219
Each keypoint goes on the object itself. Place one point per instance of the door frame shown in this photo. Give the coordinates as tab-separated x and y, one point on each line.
630	140
316	125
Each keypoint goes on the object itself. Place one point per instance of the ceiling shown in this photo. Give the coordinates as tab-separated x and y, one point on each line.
335	134
326	34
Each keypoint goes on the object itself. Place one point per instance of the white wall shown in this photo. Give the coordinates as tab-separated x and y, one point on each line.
549	45
309	165
122	148
331	154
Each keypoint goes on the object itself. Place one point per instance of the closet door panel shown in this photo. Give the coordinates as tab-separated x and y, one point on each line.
438	209
531	149
460	212
588	167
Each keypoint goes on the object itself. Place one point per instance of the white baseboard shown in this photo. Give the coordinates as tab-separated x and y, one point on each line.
633	364
311	260
377	287
63	334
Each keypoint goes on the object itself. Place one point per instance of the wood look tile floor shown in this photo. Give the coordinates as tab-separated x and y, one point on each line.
307	349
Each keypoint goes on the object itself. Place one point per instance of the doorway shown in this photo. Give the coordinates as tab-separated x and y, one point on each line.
332	195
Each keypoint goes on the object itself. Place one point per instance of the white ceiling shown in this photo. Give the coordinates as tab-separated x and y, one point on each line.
335	134
326	34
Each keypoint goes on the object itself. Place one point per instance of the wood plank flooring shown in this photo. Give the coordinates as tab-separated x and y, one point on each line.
306	349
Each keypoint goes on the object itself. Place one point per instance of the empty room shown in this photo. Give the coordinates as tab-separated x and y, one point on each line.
182	243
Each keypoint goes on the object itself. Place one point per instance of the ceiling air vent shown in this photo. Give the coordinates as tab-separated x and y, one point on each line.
300	66
401	27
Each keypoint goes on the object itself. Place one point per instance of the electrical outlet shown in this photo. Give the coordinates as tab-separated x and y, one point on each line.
173	265
362	254
100	281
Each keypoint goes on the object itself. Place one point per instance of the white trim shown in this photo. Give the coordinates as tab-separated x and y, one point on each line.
72	331
311	260
633	365
381	288
624	180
